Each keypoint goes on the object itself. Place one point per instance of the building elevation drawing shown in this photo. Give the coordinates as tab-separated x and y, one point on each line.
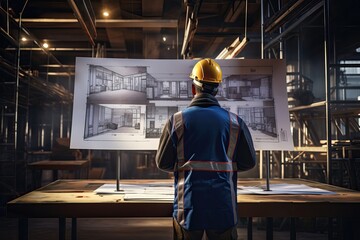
124	103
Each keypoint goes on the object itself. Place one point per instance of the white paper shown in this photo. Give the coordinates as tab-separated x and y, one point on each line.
165	191
283	188
149	192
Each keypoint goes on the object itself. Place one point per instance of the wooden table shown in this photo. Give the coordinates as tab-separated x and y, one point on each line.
76	199
57	165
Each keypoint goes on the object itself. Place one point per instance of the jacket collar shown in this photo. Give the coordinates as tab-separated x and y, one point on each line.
204	100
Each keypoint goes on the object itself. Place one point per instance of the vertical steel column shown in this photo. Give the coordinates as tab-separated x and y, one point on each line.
17	85
262	28
327	51
281	43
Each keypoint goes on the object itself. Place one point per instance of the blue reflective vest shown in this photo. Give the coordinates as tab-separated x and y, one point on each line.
205	146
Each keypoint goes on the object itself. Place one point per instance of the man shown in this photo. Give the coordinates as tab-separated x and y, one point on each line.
205	145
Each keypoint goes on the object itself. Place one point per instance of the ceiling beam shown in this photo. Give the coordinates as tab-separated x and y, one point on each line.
109	23
137	23
66	49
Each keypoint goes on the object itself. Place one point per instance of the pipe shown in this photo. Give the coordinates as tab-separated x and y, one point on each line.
279	19
262	28
18	83
327	39
109	23
81	21
190	27
295	24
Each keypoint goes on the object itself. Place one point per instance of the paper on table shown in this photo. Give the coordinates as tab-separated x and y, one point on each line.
155	192
283	188
159	192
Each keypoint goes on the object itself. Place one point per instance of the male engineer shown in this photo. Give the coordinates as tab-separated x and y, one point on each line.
204	146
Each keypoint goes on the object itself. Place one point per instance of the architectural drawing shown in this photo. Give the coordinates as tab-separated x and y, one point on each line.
127	102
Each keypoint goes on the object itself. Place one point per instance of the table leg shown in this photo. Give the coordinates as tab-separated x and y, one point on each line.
269	228
350	228
78	173
55	175
36	177
23	229
62	228
249	228
292	228
73	229
330	229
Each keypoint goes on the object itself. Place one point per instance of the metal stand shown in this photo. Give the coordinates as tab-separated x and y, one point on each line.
118	165
267	157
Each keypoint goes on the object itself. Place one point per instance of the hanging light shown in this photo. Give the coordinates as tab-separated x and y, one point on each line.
106	13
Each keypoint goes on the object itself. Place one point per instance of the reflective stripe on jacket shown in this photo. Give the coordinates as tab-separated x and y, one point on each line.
205	146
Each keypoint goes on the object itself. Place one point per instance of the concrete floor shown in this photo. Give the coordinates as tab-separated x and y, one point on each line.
124	229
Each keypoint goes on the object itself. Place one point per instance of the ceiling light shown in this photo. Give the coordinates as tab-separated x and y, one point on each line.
24	39
45	45
106	13
164	39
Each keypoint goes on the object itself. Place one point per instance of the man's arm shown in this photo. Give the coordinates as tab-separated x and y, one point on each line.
166	154
245	152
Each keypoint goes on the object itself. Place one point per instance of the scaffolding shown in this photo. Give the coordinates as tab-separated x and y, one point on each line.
325	125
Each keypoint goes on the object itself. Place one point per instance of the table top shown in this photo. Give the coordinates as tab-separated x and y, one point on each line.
76	198
59	164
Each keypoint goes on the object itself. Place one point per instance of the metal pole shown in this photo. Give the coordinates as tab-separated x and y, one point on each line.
327	88
262	29
282	165
261	164
267	157
7	18
118	165
281	43
18	78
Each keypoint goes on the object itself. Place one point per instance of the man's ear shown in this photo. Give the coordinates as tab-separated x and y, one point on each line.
193	89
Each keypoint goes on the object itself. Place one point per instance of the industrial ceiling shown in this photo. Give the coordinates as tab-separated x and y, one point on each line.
134	28
151	29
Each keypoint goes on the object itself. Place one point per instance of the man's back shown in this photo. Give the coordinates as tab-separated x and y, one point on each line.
205	145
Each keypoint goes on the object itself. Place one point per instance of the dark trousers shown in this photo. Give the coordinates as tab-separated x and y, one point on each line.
182	234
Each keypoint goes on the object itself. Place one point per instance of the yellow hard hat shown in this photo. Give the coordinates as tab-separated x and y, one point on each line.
207	70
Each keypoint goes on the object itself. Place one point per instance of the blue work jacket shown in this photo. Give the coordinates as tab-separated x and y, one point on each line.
205	145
